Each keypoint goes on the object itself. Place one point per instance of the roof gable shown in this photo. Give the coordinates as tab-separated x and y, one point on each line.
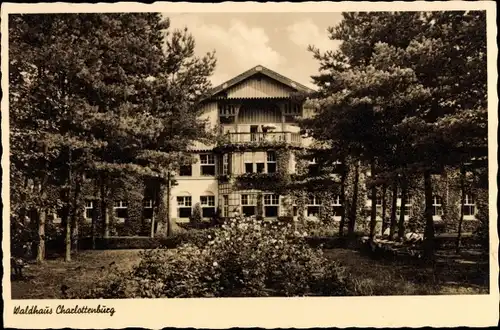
258	82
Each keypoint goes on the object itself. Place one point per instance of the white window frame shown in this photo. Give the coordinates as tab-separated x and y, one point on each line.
184	204
89	205
271	160
225	164
119	205
208	203
225	205
437	206
271	200
207	160
251	200
470	202
316	202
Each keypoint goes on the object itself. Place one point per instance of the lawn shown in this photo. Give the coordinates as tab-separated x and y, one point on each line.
453	274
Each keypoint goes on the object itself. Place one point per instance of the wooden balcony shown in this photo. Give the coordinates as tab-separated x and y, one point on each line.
271	137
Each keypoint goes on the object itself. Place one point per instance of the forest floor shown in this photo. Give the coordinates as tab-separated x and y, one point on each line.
466	273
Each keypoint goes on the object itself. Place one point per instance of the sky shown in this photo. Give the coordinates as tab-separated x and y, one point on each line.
277	41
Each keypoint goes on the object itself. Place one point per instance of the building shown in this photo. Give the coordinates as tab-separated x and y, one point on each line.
256	115
260	146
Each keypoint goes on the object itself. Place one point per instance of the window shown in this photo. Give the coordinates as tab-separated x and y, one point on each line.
437	205
183	206
225	208
378	203
313	206
253	132
248	167
207	164
120	210
147	209
186	170
337	206
407	205
271	162
469	207
225	164
249	204
260	167
313	167
207	206
271	205
89	210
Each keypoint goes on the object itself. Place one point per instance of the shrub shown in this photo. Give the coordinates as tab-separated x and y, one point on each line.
196	218
244	258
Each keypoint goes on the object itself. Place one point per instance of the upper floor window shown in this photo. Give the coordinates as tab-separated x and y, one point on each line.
271	162
186	170
89	210
313	167
207	166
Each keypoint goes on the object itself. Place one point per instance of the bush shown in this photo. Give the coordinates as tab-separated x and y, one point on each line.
196	218
244	258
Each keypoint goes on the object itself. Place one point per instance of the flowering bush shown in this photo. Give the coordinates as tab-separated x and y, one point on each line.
244	258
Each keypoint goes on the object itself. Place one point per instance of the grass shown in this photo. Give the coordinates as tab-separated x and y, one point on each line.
87	267
466	273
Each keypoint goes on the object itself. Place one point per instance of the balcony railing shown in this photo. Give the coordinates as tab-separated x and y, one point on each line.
283	137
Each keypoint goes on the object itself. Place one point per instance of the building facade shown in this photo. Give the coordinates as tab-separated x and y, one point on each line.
260	147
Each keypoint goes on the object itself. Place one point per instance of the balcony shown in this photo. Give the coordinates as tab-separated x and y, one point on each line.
271	137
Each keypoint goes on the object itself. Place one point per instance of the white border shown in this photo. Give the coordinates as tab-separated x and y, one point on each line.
415	311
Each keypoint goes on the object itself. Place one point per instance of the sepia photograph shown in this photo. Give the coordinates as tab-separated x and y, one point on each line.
239	154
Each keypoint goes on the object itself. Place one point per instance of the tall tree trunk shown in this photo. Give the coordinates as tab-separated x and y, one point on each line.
94	224
373	209
40	256
75	216
429	222
342	199
104	209
402	208
462	202
384	207
354	202
67	238
394	206
169	224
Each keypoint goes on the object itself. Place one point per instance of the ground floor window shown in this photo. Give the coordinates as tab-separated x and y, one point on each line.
337	206
469	207
120	211
184	206
148	209
89	210
313	206
271	205
408	205
249	204
437	205
207	206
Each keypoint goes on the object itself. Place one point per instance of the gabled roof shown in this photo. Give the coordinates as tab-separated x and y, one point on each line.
259	69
